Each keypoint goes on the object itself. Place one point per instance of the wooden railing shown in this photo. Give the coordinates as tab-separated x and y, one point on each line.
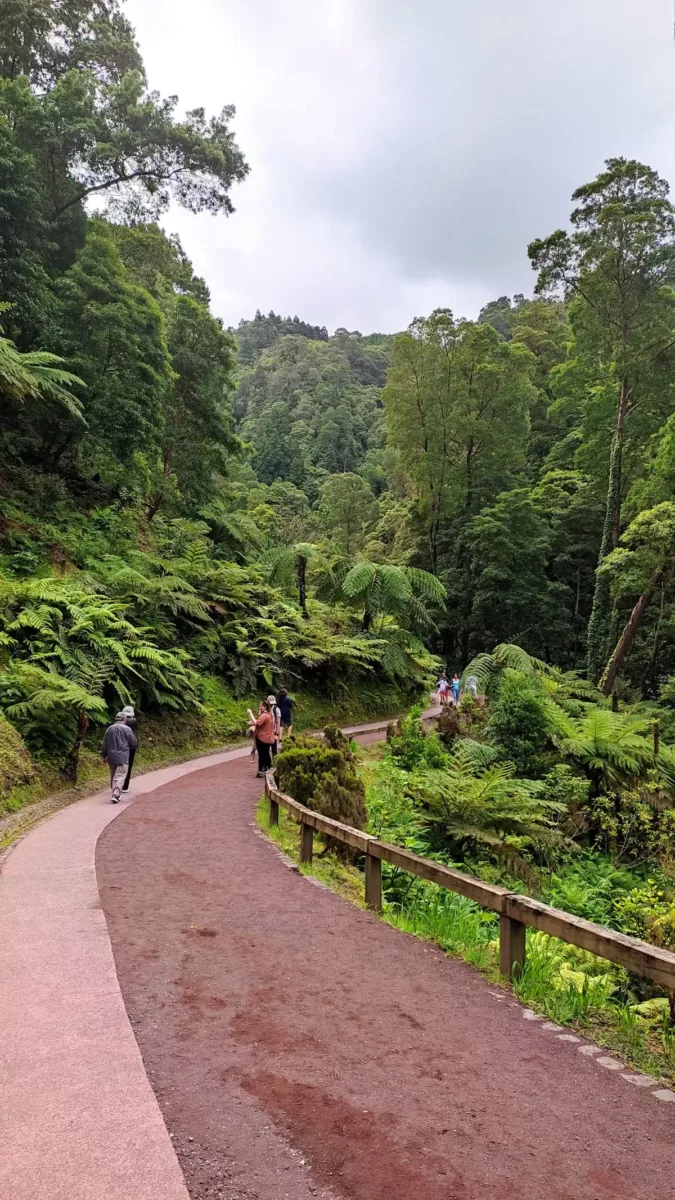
515	912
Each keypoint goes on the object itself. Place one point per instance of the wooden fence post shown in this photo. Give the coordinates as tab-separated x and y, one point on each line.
274	805
374	883
511	946
306	842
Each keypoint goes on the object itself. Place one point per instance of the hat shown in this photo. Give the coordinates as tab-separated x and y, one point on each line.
121	716
128	710
271	699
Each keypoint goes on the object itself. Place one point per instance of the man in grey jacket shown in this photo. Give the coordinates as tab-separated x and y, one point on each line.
118	741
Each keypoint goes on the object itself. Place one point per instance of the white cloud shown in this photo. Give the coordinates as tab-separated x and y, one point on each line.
403	152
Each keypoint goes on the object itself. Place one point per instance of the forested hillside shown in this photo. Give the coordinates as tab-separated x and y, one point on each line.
186	508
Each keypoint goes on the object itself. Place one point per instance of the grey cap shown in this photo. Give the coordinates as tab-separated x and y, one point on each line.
121	716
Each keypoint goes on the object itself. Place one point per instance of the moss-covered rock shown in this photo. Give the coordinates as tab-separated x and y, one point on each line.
16	766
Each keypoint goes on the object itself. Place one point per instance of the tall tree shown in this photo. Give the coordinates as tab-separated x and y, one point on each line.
615	268
196	436
43	39
644	563
348	509
121	143
456	404
24	281
113	333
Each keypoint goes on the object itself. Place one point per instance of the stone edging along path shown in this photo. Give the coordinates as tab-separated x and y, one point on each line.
78	1118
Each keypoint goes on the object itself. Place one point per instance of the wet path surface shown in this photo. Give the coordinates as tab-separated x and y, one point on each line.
298	1047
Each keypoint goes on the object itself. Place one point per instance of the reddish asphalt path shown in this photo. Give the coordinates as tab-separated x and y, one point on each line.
299	1047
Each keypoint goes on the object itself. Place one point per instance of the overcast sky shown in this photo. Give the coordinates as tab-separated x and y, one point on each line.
404	152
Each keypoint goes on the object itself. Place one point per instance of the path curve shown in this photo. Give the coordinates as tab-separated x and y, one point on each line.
299	1047
78	1118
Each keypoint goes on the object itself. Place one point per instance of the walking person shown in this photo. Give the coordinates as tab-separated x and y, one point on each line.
443	688
132	724
286	709
455	688
118	742
276	717
264	737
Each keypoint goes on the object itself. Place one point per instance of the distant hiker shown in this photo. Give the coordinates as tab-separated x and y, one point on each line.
118	742
472	686
455	687
264	737
286	709
443	689
132	724
276	717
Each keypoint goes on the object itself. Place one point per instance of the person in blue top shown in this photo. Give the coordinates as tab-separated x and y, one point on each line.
285	706
455	687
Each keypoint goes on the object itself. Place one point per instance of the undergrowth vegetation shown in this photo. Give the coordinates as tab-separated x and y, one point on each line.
536	785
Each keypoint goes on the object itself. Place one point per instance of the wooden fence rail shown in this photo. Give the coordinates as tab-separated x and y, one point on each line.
515	911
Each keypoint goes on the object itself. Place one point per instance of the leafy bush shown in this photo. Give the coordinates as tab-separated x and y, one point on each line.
322	776
15	763
392	814
648	912
519	723
591	886
410	744
472	803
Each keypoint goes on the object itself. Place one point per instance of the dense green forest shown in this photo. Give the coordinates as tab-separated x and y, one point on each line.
190	514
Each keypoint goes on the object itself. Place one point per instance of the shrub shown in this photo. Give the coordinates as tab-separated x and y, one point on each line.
411	746
519	723
322	776
15	763
447	724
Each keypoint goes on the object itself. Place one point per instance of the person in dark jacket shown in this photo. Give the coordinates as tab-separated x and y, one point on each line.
285	706
132	724
118	742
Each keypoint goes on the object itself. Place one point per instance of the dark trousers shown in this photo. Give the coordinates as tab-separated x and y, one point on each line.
264	755
132	755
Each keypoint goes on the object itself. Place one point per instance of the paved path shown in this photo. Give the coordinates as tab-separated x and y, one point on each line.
299	1047
78	1118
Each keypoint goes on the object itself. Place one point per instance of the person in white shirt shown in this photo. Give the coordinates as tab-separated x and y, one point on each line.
276	717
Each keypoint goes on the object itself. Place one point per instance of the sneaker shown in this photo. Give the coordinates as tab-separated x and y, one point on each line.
116	797
260	774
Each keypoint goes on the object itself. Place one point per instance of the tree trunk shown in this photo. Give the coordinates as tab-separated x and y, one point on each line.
628	635
69	772
650	684
598	625
301	576
155	505
153	508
